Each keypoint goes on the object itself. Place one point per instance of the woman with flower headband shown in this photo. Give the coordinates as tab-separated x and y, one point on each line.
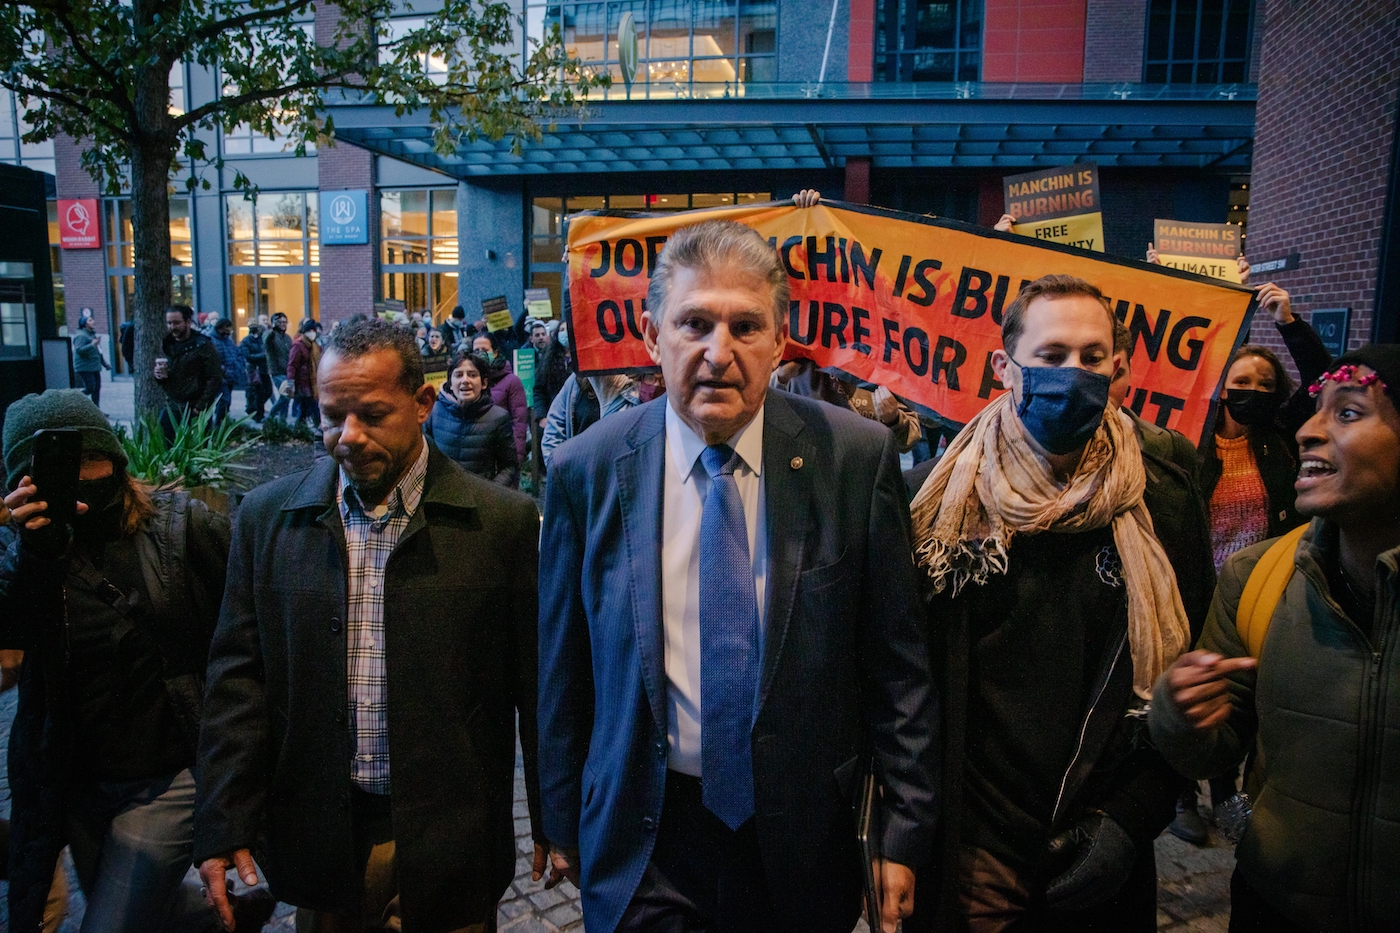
1317	699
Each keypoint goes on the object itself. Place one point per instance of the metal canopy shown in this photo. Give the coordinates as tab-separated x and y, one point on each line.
732	134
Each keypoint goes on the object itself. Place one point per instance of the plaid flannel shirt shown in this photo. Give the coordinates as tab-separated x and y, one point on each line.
369	540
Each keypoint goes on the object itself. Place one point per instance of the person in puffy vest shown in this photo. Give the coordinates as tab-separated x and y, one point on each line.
468	428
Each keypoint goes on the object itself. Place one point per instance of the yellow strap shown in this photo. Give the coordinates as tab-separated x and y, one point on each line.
1264	589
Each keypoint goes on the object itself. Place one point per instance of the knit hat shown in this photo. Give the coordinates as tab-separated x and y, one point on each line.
1384	358
56	408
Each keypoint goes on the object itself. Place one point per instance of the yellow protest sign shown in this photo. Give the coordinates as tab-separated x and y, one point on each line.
1058	204
1211	250
914	303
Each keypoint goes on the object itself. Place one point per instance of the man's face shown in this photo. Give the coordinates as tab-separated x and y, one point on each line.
482	345
539	338
1349	456
372	424
176	325
1074	330
280	323
717	345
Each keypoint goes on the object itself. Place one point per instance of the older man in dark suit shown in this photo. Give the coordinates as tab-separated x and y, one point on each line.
363	684
728	626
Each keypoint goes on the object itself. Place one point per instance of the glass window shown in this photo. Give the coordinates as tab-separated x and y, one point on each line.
391	30
19	333
418	248
13	126
548	214
920	40
272	254
1198	41
685	48
60	314
121	287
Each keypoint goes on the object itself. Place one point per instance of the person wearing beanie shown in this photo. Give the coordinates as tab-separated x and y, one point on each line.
114	614
1310	694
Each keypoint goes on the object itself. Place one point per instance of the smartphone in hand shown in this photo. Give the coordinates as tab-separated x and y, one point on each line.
54	467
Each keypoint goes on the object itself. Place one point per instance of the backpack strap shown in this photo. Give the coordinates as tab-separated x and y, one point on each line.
1264	589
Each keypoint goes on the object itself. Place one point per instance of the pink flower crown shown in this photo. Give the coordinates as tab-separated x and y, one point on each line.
1345	373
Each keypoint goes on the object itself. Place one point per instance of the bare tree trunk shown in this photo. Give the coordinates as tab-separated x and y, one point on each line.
151	155
150	222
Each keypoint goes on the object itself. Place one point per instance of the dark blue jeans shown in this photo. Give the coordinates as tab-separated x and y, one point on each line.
132	843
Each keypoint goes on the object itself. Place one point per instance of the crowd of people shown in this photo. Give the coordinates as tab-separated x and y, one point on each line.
732	609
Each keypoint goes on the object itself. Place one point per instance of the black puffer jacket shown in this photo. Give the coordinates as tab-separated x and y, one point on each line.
478	436
183	555
1275	448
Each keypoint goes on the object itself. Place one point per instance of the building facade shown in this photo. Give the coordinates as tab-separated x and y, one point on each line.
909	104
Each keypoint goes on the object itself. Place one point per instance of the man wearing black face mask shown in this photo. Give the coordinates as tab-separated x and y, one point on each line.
1051	546
115	614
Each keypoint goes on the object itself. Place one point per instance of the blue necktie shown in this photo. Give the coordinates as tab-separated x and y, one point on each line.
728	644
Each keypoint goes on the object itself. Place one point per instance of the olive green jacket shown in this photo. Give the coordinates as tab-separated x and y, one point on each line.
1322	710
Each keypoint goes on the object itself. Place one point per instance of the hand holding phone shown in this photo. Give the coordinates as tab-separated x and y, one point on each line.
54	467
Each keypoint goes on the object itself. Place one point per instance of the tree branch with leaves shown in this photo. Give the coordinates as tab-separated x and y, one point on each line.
99	72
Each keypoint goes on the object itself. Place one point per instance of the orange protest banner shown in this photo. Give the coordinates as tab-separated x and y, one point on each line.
914	303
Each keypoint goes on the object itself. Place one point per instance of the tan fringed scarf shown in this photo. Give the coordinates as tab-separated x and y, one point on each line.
990	485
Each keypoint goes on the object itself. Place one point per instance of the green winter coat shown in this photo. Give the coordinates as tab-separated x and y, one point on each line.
1323	710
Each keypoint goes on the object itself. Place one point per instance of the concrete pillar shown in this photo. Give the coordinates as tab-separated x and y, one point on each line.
491	242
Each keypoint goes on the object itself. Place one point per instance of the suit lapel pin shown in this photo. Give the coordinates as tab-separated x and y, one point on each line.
795	463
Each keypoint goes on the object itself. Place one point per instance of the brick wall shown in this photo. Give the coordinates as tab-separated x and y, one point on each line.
1328	85
348	283
84	270
1033	40
1115	34
348	280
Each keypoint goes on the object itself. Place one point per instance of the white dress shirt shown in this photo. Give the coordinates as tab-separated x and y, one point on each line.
687	484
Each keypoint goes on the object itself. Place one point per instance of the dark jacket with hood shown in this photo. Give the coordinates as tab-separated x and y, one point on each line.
477	436
1113	768
551	372
1274	446
181	553
195	372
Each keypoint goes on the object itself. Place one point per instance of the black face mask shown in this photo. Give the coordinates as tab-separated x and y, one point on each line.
104	500
1252	406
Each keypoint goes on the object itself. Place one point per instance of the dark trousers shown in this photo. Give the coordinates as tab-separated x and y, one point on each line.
256	396
703	877
375	850
1250	913
994	897
92	386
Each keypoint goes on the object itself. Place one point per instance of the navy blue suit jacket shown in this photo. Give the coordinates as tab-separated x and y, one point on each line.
845	663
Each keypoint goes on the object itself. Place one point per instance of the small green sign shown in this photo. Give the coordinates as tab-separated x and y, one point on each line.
525	370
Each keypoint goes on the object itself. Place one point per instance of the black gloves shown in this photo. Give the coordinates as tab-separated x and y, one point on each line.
1099	856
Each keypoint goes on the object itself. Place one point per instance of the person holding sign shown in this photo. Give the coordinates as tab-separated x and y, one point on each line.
728	624
1062	588
1249	461
1303	676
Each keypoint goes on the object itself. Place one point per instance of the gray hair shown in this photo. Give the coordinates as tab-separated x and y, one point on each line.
710	245
370	335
